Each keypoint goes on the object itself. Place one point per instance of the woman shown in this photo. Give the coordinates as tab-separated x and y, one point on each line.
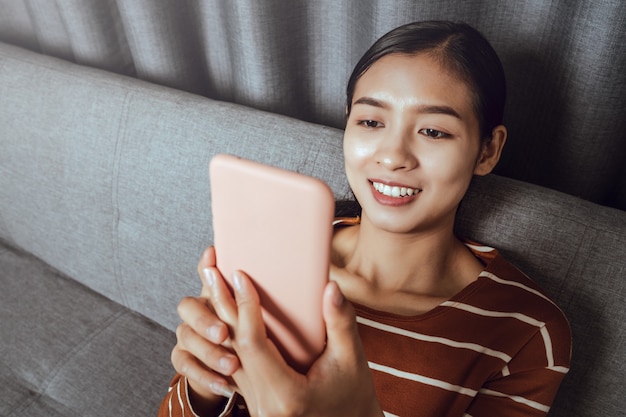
418	321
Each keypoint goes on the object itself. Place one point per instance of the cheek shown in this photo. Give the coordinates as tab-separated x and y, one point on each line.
355	148
449	165
357	153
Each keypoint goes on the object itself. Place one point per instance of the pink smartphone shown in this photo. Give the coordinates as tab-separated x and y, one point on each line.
276	226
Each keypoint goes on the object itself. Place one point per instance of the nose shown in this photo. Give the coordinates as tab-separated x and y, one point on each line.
397	152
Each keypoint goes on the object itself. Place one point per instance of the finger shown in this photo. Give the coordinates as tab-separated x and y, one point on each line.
254	349
264	378
196	313
220	296
213	356
207	260
251	328
250	340
202	380
341	328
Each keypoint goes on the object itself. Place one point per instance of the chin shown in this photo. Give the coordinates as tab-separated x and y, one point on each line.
408	221
391	223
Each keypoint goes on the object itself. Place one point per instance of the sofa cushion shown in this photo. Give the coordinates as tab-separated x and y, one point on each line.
71	351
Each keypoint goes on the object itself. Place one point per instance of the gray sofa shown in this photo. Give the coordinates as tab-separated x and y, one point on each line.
104	210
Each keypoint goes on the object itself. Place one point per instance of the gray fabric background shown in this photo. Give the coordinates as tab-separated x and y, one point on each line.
564	62
69	352
104	179
120	174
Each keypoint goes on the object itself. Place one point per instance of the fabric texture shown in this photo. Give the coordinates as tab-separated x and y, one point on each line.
63	345
104	178
121	171
563	61
577	253
498	347
177	403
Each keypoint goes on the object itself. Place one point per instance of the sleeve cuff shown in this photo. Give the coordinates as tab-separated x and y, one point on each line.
228	408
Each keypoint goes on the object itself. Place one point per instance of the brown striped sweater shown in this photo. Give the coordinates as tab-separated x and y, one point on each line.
500	347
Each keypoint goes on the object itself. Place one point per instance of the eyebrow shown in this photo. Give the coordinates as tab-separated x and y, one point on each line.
425	108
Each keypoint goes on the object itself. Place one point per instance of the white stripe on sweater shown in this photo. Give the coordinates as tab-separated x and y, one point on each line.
490	313
180	399
516	398
455	388
422	379
480	248
434	339
547	341
499	280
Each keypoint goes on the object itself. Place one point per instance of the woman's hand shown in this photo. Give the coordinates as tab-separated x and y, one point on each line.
201	353
339	383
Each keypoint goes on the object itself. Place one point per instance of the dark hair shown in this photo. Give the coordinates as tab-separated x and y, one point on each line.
458	47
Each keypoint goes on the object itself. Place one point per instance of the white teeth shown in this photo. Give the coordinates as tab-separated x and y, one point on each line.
394	191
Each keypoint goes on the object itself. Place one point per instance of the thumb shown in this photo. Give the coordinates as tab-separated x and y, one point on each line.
341	328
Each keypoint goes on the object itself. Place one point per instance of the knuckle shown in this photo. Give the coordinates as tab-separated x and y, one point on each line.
204	379
250	344
201	323
179	361
185	302
286	406
183	306
246	343
210	356
181	331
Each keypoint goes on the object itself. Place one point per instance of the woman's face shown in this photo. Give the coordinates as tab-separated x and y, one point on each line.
411	144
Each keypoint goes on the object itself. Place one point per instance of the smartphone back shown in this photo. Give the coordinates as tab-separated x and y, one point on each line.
276	226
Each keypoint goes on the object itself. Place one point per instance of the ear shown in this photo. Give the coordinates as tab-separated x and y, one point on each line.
491	151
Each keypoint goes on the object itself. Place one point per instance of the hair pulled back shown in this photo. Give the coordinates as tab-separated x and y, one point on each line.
459	48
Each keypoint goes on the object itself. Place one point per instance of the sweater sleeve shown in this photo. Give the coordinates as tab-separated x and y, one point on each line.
526	387
176	402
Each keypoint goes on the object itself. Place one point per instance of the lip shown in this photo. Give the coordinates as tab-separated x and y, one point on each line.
396	194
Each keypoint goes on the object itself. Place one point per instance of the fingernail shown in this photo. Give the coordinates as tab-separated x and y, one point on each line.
337	296
221	389
214	333
226	363
237	281
209	276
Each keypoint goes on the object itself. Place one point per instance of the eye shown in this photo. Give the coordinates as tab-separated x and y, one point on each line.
370	124
434	133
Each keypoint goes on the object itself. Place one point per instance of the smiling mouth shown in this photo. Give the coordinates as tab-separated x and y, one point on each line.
394	191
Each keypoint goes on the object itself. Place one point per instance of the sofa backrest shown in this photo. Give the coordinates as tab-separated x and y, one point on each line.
576	251
105	178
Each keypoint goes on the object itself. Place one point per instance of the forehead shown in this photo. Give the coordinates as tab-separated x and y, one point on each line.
415	80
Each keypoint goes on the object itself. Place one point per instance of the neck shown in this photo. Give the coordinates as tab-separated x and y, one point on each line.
416	262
